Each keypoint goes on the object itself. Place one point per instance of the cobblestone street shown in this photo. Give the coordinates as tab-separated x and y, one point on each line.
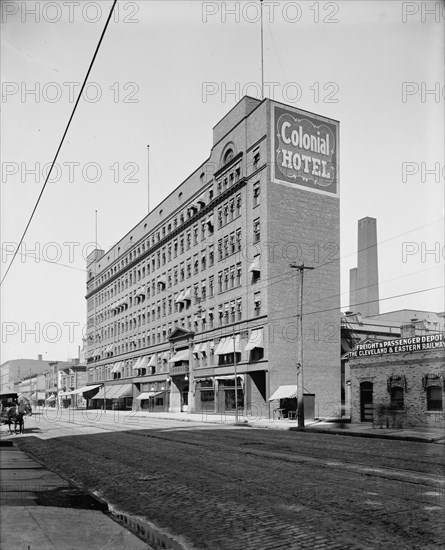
227	487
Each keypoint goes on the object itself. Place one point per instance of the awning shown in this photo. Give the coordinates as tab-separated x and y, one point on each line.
255	265
197	348
220	346
62	394
211	221
162	280
152	362
115	392
255	339
201	199
180	298
188	294
182	355
52	398
117	367
126	390
284	392
148	394
165	355
138	362
84	389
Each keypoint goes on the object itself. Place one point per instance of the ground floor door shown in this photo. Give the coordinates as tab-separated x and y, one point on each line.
366	402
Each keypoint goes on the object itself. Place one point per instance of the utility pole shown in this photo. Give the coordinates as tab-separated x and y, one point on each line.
236	376
300	387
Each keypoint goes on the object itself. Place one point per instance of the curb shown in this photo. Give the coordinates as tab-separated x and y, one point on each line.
371	435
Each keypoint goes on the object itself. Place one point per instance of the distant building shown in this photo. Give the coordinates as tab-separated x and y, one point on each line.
71	377
16	369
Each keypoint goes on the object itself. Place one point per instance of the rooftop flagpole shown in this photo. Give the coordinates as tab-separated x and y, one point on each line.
262	54
148	179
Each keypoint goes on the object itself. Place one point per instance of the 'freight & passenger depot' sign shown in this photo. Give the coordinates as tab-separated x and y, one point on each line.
400	345
305	151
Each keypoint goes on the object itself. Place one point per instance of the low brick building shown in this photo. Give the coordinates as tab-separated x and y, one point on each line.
399	382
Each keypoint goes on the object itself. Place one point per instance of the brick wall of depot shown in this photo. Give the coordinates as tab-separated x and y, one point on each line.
413	367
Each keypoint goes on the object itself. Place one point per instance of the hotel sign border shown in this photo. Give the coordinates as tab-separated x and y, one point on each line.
292	112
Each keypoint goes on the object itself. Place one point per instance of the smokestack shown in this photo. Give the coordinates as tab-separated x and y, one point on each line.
353	289
367	289
39	357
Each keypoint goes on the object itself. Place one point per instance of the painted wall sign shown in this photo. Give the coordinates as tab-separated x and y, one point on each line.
400	345
305	151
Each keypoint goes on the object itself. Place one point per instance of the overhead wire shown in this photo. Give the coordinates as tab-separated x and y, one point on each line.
61	141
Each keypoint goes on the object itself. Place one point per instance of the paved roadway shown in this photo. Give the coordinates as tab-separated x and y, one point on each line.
227	487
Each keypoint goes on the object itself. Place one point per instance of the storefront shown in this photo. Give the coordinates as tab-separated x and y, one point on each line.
116	397
399	382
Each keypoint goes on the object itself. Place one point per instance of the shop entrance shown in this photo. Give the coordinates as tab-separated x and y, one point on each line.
184	398
366	402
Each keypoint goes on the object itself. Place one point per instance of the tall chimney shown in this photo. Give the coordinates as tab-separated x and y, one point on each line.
367	289
39	357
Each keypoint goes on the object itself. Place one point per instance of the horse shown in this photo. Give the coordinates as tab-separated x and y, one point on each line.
16	414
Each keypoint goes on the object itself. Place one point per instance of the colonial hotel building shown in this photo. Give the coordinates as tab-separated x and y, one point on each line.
202	290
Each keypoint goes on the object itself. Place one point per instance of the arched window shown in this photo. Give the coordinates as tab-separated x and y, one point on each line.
434	398
228	156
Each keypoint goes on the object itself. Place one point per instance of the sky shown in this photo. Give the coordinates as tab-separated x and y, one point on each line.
165	74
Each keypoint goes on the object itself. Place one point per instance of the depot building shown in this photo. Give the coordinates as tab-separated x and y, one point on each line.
195	308
405	375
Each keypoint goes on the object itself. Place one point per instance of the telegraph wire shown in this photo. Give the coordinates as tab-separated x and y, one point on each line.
62	140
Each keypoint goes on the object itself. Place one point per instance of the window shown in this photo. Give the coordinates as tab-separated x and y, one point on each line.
228	156
203	259
434	398
211	286
397	397
257	303
195	234
256	158
226	279
256	231
256	193
211	255
238	205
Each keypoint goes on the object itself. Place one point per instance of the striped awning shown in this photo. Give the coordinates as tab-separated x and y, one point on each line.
255	339
284	392
182	355
84	389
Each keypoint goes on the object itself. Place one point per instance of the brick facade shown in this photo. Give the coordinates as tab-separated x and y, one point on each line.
412	372
277	224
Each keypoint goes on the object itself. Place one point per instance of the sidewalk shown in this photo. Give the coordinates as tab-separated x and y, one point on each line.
425	434
41	511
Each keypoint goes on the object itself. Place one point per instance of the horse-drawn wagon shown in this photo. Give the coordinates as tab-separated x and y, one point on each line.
13	410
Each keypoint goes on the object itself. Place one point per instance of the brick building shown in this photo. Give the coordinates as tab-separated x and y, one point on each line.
199	297
404	377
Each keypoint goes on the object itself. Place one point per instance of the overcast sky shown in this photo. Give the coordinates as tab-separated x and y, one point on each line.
165	75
